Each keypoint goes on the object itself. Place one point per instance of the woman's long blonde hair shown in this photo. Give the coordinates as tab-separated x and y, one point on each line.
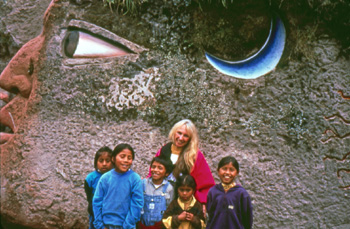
188	154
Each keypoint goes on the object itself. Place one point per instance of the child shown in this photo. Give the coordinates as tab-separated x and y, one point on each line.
184	212
102	164
118	199
228	203
158	193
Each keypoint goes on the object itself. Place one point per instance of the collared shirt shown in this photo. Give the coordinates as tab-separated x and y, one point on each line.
152	189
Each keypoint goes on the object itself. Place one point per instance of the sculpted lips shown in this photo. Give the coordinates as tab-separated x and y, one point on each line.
7	125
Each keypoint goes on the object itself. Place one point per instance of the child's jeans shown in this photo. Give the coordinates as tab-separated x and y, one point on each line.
154	207
153	210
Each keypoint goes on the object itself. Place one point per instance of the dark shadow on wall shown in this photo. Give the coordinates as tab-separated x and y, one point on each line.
9	225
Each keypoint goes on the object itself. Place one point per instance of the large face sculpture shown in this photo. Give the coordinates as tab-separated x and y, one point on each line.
95	77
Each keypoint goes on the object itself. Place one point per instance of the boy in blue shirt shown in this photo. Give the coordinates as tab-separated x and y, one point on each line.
118	199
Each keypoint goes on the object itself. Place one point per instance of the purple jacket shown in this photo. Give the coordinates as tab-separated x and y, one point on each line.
232	209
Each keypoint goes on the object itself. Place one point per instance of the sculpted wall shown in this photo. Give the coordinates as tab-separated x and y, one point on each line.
289	129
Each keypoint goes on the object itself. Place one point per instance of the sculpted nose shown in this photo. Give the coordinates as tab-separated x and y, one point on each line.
16	78
18	75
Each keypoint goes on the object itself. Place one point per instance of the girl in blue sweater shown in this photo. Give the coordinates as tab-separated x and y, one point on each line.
228	203
118	199
102	164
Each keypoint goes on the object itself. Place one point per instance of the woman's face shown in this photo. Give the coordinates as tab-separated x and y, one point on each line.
181	137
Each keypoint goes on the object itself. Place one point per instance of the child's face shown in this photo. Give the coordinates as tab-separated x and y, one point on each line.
227	173
104	162
158	172
185	192
123	161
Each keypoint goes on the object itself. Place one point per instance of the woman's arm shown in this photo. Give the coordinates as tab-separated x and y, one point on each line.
203	177
210	207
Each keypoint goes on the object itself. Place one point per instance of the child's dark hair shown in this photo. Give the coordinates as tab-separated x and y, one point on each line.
186	180
167	164
119	148
227	160
99	152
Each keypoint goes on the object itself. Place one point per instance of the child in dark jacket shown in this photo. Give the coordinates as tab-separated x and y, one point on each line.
184	212
102	164
228	203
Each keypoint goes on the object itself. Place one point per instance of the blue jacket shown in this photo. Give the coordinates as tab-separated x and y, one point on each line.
90	185
232	209
118	200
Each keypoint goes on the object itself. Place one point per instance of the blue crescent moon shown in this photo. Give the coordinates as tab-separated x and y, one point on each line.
262	62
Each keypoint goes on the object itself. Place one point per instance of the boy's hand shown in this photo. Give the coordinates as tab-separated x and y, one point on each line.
189	216
182	216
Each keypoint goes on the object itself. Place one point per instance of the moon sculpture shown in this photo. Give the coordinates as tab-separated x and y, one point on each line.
262	62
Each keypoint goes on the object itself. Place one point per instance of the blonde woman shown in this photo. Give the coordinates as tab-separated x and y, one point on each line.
184	153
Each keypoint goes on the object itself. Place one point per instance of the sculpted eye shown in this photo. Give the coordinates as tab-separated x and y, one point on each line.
79	44
261	63
85	40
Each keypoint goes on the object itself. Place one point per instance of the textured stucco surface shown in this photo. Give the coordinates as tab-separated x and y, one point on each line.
290	129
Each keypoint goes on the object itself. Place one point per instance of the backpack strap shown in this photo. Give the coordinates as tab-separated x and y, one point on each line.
165	187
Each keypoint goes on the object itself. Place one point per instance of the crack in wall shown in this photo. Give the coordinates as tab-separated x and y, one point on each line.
333	134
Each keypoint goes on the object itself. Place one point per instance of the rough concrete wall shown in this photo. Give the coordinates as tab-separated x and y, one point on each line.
289	129
21	21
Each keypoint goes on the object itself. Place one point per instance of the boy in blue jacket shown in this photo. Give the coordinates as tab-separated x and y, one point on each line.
118	199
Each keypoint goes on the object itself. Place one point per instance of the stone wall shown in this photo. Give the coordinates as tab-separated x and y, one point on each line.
288	129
